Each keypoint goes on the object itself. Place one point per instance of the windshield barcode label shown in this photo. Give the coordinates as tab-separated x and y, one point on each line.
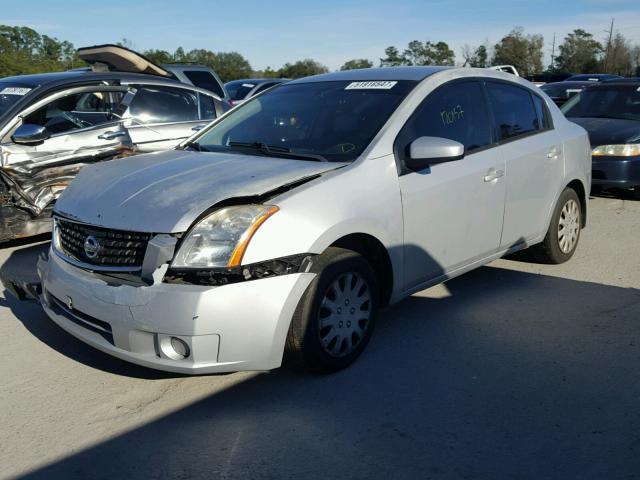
15	91
376	85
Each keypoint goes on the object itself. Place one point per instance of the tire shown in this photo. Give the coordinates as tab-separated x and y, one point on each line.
557	247
329	328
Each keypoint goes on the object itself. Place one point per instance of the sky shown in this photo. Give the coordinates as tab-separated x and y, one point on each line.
270	33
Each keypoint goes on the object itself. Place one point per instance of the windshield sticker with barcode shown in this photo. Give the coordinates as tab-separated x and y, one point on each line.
14	91
375	85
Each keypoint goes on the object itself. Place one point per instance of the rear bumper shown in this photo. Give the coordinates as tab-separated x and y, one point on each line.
616	172
241	326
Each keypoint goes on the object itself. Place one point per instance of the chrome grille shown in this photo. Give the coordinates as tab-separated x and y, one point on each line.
112	248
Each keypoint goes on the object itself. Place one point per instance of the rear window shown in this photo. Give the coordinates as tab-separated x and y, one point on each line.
205	80
513	109
240	89
614	101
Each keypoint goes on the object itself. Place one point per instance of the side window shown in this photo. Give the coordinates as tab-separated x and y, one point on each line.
207	107
159	104
457	111
77	111
205	80
513	110
541	112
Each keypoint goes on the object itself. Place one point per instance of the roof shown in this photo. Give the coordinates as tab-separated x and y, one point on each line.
382	73
621	81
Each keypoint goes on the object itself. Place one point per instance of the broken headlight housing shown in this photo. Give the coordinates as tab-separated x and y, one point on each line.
220	239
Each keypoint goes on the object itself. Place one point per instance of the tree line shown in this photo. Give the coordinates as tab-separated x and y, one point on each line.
23	50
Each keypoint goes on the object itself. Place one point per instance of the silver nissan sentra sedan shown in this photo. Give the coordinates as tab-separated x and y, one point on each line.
284	226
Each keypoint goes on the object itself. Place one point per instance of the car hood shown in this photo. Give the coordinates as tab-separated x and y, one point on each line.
166	192
609	131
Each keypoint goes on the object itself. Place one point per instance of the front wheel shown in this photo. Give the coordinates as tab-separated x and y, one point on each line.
561	240
336	316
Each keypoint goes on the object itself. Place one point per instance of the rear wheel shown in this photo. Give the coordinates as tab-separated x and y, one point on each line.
336	316
563	235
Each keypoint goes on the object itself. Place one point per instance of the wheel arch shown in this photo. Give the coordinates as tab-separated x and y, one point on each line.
577	186
376	254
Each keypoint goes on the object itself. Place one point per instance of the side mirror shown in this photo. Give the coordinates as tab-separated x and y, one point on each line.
426	151
29	134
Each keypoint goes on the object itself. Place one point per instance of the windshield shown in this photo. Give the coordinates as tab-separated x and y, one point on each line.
239	89
619	101
10	93
332	120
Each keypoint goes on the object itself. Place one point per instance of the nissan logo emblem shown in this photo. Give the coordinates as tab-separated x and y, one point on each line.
91	247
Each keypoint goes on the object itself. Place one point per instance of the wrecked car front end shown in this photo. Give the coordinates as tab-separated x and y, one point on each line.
132	287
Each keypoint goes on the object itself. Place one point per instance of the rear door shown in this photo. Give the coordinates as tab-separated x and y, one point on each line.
533	153
160	116
452	211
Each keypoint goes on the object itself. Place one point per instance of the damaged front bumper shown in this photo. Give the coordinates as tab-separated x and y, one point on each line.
180	328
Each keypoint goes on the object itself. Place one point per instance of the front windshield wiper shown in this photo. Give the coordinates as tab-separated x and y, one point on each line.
195	146
277	151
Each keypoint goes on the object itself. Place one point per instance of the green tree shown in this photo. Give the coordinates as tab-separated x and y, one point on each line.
158	56
418	53
392	59
522	51
302	68
579	53
357	63
619	59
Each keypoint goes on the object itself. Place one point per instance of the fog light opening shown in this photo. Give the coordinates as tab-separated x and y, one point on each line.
175	348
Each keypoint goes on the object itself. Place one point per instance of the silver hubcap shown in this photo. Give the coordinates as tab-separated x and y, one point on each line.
344	314
569	226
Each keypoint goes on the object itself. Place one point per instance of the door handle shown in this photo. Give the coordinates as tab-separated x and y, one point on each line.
493	175
111	135
197	128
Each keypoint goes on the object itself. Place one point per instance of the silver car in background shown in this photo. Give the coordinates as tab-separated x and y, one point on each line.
286	224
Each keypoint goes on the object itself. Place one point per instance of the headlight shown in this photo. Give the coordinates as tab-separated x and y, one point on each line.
220	239
625	150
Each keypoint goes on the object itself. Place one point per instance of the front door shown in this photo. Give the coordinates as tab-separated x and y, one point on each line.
453	211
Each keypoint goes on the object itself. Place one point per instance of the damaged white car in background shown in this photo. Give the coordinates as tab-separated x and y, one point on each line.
288	223
51	125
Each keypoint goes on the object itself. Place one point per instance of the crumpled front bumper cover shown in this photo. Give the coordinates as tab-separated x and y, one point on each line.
240	326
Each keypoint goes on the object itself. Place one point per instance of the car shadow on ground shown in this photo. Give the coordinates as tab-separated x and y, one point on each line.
499	374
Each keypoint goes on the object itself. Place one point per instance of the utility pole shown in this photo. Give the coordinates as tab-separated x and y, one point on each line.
606	55
553	50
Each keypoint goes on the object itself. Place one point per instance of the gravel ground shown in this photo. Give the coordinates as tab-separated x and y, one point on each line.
516	370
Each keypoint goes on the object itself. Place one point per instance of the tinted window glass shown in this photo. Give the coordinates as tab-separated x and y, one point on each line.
239	89
513	110
205	80
153	104
263	87
606	101
457	112
541	112
73	112
336	120
207	107
10	93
